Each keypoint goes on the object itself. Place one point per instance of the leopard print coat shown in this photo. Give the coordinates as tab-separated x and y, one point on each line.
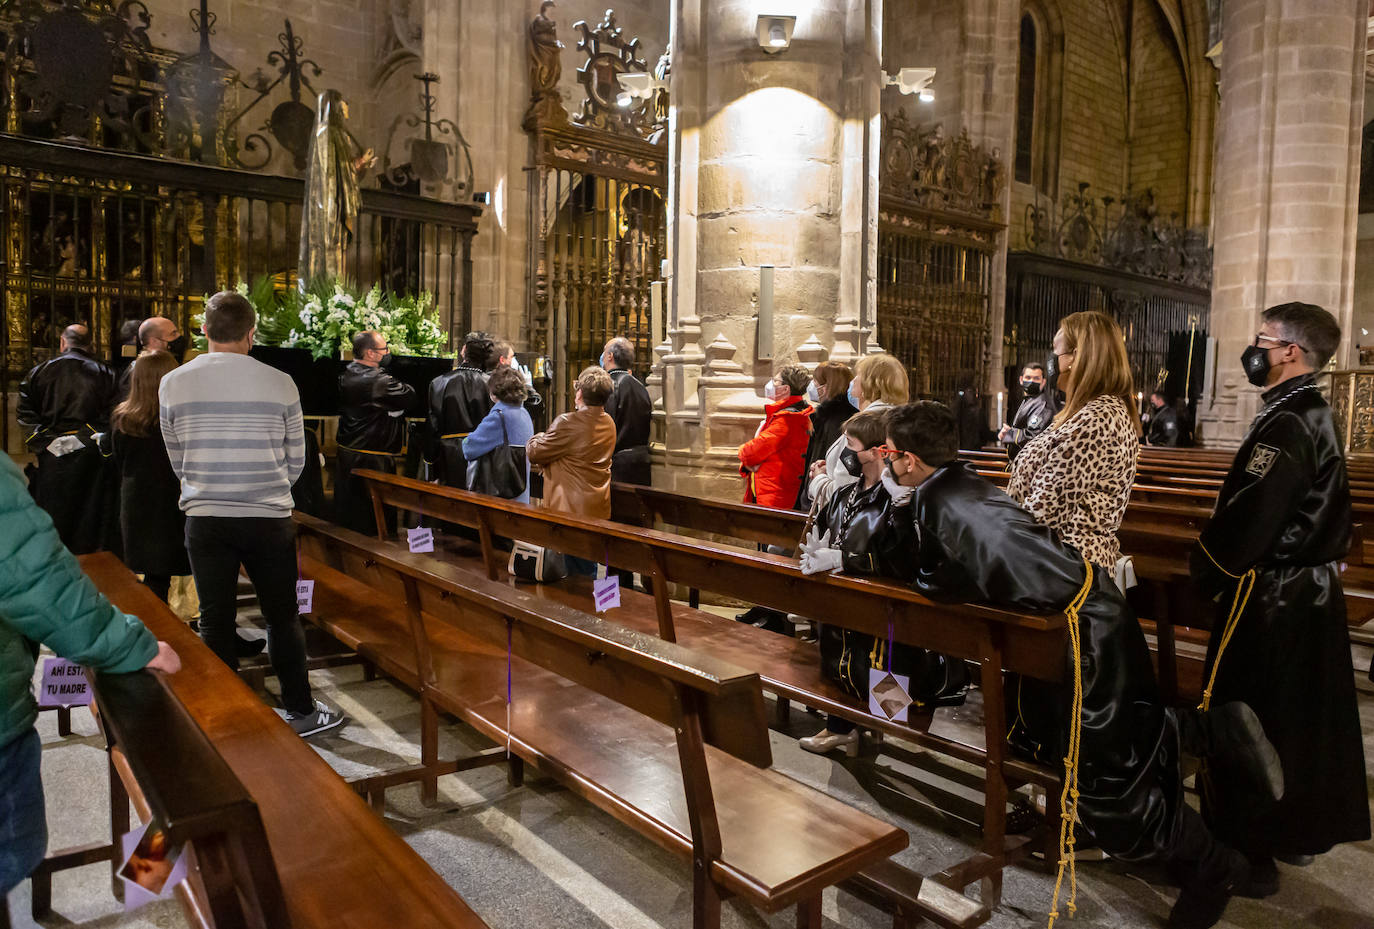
1076	478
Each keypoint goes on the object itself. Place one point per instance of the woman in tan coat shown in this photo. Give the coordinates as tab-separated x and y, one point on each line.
574	454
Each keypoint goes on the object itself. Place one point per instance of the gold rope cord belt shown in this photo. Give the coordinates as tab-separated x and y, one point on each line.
1245	584
456	435
1068	800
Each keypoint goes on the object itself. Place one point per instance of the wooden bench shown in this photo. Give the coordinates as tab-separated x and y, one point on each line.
200	749
669	741
994	639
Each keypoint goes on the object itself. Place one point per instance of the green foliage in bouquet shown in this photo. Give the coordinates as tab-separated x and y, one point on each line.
324	318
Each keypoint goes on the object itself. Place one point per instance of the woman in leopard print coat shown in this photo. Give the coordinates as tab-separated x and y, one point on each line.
1076	476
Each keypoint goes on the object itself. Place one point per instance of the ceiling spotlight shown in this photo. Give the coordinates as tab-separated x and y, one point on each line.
912	81
775	32
637	85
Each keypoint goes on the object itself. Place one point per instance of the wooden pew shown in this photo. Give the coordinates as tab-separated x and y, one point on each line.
335	863
633	724
994	639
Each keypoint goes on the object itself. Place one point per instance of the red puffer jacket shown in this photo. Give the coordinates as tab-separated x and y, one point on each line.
772	461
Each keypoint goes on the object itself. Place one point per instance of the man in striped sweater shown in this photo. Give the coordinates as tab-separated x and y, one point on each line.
235	439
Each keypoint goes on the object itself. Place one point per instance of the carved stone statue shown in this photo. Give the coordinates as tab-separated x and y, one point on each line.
331	191
546	67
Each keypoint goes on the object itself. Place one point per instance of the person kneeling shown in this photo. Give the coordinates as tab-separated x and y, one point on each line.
855	533
1121	746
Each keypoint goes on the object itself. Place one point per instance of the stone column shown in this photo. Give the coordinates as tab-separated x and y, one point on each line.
1287	179
773	159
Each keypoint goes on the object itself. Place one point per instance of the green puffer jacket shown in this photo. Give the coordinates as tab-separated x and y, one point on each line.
45	598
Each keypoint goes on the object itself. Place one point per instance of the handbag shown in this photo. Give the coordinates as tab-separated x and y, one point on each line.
535	564
501	471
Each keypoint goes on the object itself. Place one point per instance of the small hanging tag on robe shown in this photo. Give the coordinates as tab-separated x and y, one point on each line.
421	540
305	595
889	694
606	593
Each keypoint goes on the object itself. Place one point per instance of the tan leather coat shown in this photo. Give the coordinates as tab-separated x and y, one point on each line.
574	456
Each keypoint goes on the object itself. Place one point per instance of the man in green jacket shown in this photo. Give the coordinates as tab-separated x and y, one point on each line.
45	598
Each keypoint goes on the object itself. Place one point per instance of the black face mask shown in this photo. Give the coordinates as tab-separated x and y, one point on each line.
385	361
849	460
1032	388
177	347
1255	361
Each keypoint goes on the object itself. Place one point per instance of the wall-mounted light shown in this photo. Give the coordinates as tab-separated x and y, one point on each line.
912	81
637	85
775	32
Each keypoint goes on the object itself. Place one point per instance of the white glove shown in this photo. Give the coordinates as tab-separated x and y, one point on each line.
900	495
525	373
822	560
815	541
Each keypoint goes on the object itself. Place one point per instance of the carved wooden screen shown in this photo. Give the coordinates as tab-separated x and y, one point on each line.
1147	271
596	194
936	241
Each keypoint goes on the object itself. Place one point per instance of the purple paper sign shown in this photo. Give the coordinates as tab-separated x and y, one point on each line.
64	684
305	595
606	593
151	870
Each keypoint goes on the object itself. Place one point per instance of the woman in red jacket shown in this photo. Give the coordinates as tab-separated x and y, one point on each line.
772	461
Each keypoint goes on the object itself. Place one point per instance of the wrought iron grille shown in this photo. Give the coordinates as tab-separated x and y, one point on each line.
103	237
600	244
1153	315
933	305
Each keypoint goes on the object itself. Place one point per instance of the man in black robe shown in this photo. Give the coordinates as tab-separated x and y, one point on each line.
631	410
975	544
458	401
1269	557
372	429
1163	427
64	403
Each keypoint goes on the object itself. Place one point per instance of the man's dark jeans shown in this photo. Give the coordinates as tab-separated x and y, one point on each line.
266	548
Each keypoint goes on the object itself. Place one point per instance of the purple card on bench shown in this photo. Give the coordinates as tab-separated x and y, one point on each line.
606	593
64	684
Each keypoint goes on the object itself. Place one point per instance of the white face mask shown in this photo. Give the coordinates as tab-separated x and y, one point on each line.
811	393
770	390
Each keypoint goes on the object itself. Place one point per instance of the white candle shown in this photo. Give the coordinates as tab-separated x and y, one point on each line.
1001	408
1140	400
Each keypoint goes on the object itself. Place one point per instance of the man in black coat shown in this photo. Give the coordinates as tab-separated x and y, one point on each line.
65	404
1163	427
458	401
372	429
975	544
1269	556
631	410
1035	413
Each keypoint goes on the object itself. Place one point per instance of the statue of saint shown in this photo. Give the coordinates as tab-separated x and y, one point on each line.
330	218
546	67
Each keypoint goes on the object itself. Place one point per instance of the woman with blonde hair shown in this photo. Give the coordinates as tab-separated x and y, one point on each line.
880	382
1076	476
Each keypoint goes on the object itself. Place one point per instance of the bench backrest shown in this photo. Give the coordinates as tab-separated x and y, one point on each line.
641	672
1027	643
193	793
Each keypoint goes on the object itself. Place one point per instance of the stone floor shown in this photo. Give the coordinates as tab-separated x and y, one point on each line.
540	856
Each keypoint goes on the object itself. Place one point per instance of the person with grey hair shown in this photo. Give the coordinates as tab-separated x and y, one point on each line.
64	404
1270	558
631	410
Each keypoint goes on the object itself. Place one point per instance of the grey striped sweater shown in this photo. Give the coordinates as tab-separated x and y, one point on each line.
234	435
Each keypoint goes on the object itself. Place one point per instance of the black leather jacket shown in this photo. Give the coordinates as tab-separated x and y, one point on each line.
372	408
64	395
861	526
974	543
1033	416
1164	429
458	401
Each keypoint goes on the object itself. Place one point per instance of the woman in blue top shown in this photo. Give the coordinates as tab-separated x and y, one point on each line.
507	389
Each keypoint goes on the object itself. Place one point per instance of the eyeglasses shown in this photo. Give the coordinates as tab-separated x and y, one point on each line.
1261	337
887	451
